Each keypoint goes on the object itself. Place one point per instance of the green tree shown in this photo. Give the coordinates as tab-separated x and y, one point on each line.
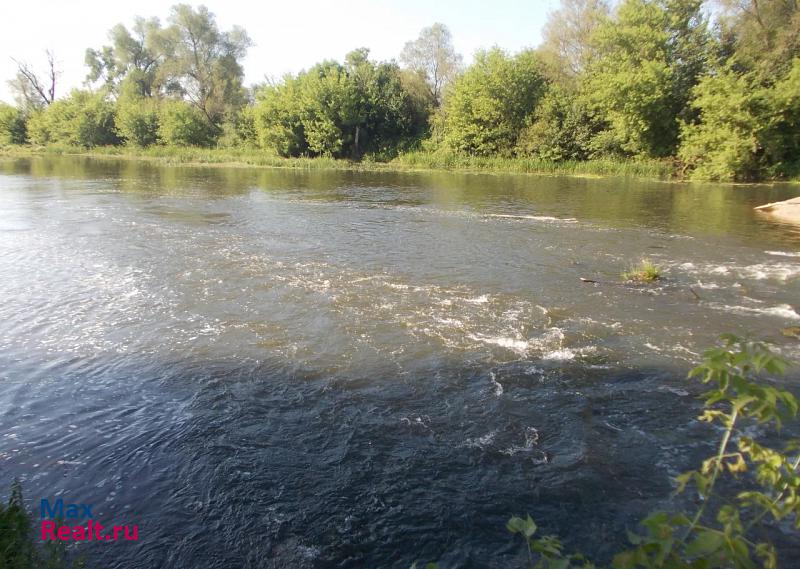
279	118
12	125
133	56
489	105
239	128
762	36
82	119
782	147
381	115
340	110
567	47
562	128
650	56
744	130
724	144
202	64
433	56
137	120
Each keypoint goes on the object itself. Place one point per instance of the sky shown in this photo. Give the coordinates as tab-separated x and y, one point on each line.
289	35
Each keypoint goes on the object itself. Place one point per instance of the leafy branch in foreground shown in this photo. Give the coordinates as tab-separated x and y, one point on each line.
719	533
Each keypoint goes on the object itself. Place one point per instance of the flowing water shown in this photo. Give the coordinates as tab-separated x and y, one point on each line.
267	368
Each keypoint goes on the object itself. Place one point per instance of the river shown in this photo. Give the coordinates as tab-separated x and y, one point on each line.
281	368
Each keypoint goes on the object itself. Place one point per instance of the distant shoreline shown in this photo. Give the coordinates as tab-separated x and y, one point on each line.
409	162
417	161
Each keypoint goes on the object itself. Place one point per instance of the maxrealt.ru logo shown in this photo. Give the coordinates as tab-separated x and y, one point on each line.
54	527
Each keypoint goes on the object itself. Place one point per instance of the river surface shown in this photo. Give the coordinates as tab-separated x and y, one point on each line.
276	368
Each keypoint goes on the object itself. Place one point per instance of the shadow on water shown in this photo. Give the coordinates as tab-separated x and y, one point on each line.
247	464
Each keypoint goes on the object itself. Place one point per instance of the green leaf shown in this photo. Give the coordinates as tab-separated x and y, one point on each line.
526	527
706	543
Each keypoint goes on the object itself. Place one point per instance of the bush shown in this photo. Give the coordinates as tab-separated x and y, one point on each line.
745	129
181	124
137	120
239	129
724	144
489	105
279	122
782	146
562	129
12	125
16	548
82	119
342	110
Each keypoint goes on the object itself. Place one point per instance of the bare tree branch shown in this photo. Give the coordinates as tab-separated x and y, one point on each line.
35	90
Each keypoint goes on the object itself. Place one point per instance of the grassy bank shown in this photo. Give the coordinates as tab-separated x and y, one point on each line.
412	161
651	169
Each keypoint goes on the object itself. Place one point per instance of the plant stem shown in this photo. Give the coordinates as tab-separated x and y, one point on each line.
723	446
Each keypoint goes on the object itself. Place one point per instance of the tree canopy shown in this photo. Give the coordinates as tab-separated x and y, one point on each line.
433	56
341	110
490	103
709	86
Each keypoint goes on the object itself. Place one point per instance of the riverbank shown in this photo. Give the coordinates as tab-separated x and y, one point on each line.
412	161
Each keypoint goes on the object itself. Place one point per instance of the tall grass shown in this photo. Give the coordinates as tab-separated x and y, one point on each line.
645	271
522	165
188	155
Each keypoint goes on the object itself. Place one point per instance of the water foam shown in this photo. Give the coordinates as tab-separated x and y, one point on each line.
780	311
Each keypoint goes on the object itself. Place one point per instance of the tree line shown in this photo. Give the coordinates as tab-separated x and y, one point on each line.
712	86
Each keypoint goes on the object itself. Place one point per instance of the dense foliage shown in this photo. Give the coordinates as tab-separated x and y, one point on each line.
707	86
13	129
81	119
490	103
341	110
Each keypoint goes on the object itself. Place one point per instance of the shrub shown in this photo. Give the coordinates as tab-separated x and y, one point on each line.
137	120
82	119
489	105
562	129
182	124
12	125
342	110
239	129
17	547
724	144
745	129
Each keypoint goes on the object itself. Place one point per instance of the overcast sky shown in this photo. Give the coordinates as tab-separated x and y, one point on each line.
289	35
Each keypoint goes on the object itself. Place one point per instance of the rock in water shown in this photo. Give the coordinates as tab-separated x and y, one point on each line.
791	332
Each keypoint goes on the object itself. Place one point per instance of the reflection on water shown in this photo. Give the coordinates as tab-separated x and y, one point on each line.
330	369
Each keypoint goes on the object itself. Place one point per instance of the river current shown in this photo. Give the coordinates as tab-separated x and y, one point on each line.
318	369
